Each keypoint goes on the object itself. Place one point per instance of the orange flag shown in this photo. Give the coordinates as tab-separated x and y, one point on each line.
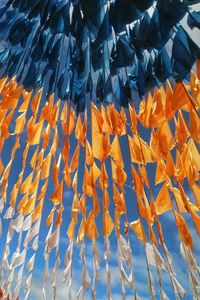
183	230
96	118
146	151
198	69
81	232
196	192
83	131
26	96
83	204
169	112
116	152
133	119
190	168
152	236
141	207
183	131
35	183
35	103
55	142
195	88
1	167
138	185
19	181
194	126
50	217
157	116
57	195
78	128
106	199
75	182
148	214
118	174
194	153
72	121
148	109
6	172
46	166
188	204
116	120
10	96
103	181
119	200
142	108
89	154
67	177
59	217
154	146
37	213
100	145
20	122
23	203
179	201
179	170
34	158
135	151
34	133
106	126
163	201
143	174
55	172
196	220
26	184
63	115
108	224
75	159
2	83
91	228
96	203
66	150
170	167
43	190
95	172
53	117
3	114
39	160
160	171
47	109
30	204
138	229
70	231
6	124
13	197
75	206
46	136
87	183
180	96
164	138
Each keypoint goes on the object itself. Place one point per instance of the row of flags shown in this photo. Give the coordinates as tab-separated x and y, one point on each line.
62	150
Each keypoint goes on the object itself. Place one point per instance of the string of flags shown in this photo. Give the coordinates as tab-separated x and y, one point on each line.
46	134
99	99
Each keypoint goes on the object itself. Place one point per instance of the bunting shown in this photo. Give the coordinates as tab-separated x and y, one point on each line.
99	148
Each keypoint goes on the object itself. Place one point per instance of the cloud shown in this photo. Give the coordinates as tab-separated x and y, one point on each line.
61	290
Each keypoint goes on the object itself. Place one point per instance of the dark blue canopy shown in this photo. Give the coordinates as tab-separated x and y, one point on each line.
78	47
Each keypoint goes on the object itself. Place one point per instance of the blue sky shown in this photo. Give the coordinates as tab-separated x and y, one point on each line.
138	257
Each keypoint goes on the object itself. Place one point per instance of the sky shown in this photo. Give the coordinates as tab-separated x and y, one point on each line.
138	258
